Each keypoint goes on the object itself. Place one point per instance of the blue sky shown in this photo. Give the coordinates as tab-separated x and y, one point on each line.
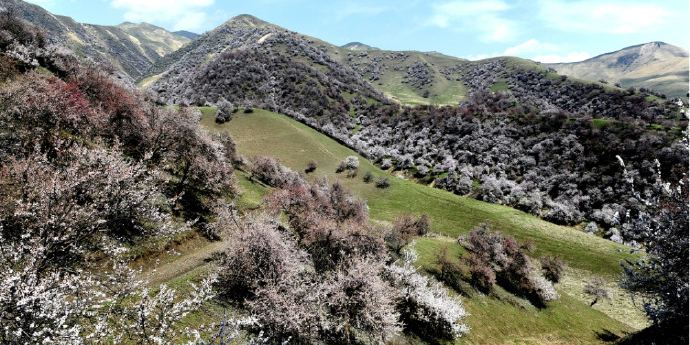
542	30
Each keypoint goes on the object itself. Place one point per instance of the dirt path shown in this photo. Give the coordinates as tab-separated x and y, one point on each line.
187	260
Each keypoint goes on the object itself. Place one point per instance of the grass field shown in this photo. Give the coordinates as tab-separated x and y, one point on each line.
569	320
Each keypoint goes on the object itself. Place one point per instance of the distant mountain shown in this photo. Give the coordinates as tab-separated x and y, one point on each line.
131	48
187	34
358	46
162	41
656	65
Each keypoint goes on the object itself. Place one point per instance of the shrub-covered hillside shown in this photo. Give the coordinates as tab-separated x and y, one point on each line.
525	136
94	175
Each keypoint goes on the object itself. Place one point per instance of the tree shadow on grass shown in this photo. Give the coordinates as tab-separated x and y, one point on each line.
607	336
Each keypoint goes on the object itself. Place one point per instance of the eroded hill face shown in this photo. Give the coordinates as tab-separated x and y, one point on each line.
131	48
656	65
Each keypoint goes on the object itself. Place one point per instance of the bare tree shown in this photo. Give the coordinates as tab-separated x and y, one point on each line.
597	289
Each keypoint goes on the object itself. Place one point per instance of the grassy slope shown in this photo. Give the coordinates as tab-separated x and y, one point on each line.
441	91
295	144
568	320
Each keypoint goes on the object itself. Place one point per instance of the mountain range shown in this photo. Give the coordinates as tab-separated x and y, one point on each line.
376	101
130	48
143	52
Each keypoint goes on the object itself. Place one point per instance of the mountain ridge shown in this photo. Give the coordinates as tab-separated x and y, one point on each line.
142	52
187	34
131	48
656	65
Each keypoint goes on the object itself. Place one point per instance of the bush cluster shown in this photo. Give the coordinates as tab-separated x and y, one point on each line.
405	228
494	258
88	170
324	277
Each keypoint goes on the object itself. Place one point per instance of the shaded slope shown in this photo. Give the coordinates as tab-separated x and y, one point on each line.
407	77
252	63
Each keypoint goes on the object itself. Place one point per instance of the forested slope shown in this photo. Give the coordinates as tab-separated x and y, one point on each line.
525	136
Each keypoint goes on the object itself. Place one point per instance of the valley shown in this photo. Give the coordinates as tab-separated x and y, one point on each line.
451	215
256	185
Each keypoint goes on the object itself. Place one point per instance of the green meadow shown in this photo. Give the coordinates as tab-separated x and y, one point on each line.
495	319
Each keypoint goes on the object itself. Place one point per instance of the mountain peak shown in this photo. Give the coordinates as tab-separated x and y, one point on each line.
358	46
247	20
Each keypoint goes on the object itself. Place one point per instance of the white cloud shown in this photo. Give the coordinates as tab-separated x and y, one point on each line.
530	46
181	14
484	17
480	56
553	58
593	16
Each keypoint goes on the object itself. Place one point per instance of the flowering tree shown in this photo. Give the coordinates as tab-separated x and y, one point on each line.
495	258
79	201
661	278
54	305
425	304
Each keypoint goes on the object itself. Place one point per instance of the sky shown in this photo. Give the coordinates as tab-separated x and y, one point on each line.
541	30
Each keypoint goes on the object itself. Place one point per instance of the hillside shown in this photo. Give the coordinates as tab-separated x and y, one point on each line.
131	48
92	176
183	33
150	36
411	77
274	135
408	77
655	65
523	136
250	62
538	180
